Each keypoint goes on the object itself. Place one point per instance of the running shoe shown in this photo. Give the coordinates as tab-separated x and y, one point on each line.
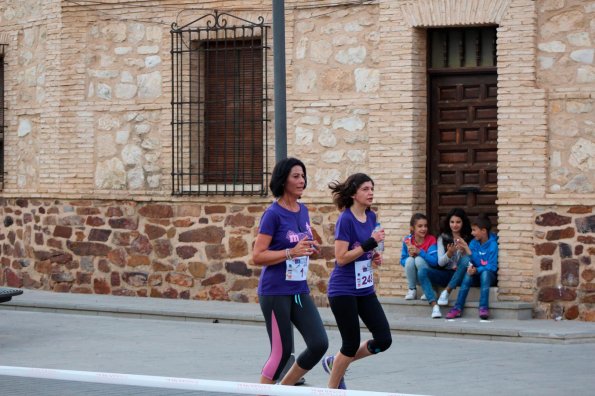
327	365
484	313
454	313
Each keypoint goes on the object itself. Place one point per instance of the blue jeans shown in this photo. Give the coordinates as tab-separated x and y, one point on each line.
485	280
433	276
412	267
460	272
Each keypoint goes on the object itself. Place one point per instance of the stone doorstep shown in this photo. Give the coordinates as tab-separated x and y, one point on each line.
421	308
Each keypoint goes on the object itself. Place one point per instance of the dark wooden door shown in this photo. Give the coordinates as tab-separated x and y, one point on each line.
463	145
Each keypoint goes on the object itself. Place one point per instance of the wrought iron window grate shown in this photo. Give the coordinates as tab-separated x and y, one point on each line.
220	106
453	48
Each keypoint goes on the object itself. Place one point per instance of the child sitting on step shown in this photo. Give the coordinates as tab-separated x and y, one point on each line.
452	260
483	268
419	251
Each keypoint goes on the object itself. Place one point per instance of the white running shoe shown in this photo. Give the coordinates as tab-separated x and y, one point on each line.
423	297
436	312
443	299
411	294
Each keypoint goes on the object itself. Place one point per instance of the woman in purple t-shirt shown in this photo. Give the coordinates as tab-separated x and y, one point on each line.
351	285
283	248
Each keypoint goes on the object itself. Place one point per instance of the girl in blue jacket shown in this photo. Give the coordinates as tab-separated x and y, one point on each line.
419	251
482	270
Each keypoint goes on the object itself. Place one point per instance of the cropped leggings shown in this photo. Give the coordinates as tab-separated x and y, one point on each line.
347	309
279	312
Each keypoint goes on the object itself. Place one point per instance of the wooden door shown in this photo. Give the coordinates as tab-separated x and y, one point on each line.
462	153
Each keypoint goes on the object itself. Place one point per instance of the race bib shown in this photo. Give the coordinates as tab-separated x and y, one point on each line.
297	268
364	276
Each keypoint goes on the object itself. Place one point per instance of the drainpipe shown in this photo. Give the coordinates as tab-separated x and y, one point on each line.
279	75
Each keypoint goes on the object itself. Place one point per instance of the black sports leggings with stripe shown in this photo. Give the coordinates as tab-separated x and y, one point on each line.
347	309
279	312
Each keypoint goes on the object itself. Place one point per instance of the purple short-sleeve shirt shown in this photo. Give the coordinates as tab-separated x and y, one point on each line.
286	228
350	229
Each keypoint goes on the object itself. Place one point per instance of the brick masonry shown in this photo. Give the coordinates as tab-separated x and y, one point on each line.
88	92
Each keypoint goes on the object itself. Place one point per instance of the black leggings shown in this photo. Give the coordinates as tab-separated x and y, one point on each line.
346	310
279	312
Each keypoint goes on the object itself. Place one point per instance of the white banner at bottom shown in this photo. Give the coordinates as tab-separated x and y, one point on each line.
182	383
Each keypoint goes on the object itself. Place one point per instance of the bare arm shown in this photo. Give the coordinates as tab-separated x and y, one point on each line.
344	256
261	255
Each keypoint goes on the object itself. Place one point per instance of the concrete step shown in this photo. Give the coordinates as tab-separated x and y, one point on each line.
498	309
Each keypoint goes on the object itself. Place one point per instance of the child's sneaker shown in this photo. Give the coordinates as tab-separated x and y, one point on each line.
411	294
327	365
443	299
423	297
436	312
484	313
454	313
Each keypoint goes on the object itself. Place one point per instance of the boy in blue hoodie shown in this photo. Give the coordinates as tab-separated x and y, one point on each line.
483	268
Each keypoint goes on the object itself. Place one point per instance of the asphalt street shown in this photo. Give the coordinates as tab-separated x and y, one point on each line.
235	352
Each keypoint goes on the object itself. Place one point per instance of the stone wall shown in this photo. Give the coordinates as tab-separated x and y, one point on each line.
566	68
171	250
565	250
88	91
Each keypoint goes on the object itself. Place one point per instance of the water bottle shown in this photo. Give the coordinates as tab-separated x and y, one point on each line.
380	247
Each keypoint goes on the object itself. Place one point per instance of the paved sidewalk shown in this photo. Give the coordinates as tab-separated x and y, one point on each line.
541	331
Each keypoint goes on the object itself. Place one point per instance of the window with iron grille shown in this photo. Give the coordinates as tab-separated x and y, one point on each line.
462	48
219	107
2	111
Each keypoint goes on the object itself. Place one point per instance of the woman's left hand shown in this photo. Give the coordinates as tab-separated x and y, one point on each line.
377	258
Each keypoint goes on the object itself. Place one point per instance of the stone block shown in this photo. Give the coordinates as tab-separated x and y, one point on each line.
62	232
126	223
588	274
239	220
162	248
88	248
154	232
552	219
156	211
186	252
550	294
585	225
238	268
218	293
565	250
546	264
99	235
214	280
571	313
555	235
208	234
570	272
